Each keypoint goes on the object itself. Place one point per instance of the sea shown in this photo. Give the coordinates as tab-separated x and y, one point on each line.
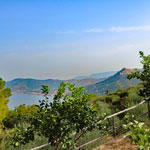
27	99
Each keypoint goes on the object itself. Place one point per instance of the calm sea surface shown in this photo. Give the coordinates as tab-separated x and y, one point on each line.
19	99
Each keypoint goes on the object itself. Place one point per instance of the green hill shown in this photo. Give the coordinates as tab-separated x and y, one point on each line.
119	80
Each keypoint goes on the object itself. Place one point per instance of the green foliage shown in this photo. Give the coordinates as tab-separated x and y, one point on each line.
92	97
18	121
2	135
64	120
138	133
122	94
5	93
11	119
121	99
26	112
21	114
109	99
10	139
20	135
66	116
113	102
45	89
103	107
144	76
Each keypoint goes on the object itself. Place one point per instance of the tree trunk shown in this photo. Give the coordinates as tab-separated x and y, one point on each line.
56	144
69	148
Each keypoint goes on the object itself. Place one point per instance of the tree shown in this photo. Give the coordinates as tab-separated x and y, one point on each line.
20	115
143	75
11	120
122	95
64	120
5	93
138	132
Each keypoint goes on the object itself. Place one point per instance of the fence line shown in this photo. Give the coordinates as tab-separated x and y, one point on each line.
125	110
114	128
108	117
38	147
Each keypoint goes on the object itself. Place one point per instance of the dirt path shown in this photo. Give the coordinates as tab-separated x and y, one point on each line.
117	144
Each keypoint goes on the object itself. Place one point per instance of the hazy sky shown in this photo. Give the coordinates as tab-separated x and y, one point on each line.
67	38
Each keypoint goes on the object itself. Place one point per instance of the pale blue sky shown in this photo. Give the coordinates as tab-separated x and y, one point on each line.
66	38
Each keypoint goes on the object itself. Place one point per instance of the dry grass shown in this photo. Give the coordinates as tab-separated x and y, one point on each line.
117	144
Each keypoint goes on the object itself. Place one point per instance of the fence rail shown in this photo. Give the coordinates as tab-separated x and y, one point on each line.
125	110
114	126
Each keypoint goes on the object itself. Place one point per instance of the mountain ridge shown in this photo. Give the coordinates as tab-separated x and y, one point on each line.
97	75
33	86
112	83
92	86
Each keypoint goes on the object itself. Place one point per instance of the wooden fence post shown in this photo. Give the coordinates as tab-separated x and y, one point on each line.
114	127
148	105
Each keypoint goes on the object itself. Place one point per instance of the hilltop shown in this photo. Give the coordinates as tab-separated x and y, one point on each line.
112	83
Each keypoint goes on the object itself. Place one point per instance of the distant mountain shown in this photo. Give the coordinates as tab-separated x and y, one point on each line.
118	80
98	75
83	82
97	85
33	86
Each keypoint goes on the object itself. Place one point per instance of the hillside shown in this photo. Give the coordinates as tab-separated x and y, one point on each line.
97	75
119	80
33	86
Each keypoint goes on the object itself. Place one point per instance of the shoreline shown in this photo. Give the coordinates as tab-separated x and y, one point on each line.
32	93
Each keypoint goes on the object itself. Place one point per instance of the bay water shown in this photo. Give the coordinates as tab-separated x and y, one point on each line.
27	99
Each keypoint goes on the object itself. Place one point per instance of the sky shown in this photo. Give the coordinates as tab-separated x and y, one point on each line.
62	39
